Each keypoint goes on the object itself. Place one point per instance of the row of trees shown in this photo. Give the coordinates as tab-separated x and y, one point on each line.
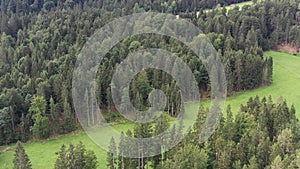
263	134
268	24
175	6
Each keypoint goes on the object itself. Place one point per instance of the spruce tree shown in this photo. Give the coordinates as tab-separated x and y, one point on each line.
54	115
90	160
111	155
121	163
161	126
252	164
62	161
76	158
41	122
21	160
79	154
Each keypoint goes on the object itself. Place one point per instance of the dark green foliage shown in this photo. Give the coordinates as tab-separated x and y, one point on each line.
21	160
76	158
61	161
20	7
111	155
243	142
40	128
41	39
189	156
246	141
6	128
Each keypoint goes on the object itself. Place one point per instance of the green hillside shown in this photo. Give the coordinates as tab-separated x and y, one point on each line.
286	80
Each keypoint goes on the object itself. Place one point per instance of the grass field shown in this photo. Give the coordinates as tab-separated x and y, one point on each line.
286	83
240	5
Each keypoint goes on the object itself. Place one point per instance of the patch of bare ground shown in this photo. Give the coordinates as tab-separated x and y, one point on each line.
6	150
289	48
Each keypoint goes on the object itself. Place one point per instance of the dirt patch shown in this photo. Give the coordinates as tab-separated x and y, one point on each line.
288	48
6	150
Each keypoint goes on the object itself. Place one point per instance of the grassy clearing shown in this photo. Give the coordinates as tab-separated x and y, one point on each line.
240	5
42	153
286	83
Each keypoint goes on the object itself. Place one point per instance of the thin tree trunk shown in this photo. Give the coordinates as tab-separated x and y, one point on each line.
12	118
139	159
123	162
147	165
113	158
142	160
92	111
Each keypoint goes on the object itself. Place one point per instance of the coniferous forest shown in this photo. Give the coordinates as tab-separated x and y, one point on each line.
41	39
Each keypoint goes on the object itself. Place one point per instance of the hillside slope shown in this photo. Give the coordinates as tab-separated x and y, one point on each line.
286	82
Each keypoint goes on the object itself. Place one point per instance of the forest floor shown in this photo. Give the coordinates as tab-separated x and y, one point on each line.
286	82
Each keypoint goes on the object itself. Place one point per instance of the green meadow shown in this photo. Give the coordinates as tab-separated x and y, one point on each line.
286	83
240	5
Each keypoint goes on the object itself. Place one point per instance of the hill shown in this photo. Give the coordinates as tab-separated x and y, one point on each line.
286	80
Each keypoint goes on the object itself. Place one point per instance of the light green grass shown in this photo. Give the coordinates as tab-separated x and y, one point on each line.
286	83
42	153
240	5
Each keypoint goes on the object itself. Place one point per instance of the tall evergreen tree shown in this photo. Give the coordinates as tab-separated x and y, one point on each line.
41	122
111	155
21	160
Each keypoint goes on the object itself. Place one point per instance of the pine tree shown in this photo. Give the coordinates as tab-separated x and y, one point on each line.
229	125
62	161
79	154
252	164
41	122
69	123
161	126
285	141
76	158
90	160
251	38
189	156
21	160
277	163
121	163
23	128
71	158
54	115
269	68
143	130
111	155
262	154
143	86
129	162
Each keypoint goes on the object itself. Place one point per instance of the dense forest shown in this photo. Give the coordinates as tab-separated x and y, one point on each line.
29	6
28	69
40	41
263	134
